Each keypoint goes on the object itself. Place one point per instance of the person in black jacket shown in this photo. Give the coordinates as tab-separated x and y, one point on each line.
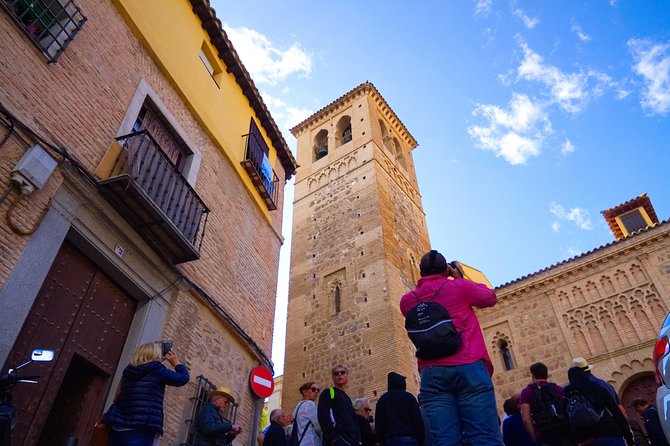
362	409
399	421
336	413
136	417
211	427
612	428
652	422
276	436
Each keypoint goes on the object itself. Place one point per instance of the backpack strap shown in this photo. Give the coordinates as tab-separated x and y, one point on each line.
309	423
416	296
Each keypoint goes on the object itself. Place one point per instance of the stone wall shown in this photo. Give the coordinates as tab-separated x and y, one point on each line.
606	306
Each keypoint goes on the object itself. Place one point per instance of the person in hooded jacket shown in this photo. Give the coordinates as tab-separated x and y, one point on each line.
136	417
399	421
612	429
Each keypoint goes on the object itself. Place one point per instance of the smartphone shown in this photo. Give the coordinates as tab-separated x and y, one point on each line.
167	346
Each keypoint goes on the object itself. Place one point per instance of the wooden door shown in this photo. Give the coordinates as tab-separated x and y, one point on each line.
85	317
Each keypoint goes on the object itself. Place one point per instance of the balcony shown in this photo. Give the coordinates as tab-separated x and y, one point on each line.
258	166
143	185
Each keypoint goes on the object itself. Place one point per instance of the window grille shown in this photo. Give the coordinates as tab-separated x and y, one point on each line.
50	24
198	400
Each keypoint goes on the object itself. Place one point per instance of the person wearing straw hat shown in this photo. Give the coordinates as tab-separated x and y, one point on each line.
212	428
583	364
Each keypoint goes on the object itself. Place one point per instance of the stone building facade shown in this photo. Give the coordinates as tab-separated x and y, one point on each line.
101	258
358	234
606	305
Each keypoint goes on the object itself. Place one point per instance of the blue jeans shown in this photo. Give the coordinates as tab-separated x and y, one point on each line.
608	441
459	401
402	440
131	438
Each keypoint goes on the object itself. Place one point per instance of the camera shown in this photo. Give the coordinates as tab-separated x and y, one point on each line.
166	347
456	267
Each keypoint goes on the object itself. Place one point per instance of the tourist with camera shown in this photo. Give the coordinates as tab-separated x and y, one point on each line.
136	417
456	388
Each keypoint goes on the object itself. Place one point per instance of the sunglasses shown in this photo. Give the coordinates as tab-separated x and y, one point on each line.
339	372
315	389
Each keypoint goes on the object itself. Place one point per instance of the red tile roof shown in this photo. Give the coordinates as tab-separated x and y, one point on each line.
639	201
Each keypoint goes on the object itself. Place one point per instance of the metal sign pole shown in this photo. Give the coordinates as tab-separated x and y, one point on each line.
258	408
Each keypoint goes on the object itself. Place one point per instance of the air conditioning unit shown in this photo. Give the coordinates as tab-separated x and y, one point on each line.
33	169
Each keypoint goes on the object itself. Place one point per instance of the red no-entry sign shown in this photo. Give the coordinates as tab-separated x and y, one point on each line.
261	381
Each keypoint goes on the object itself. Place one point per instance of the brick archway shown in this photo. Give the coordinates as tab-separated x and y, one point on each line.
641	385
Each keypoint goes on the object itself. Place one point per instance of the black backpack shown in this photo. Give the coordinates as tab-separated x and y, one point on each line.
581	413
296	437
547	411
431	330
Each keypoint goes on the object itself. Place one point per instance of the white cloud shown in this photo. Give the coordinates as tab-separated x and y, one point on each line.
482	6
265	62
285	115
570	91
574	252
517	133
578	216
622	93
567	147
652	62
575	28
555	226
529	22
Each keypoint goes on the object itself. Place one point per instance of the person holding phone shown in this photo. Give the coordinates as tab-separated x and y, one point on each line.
136	417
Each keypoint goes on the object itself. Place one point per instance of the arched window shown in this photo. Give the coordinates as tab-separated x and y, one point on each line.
399	155
506	354
338	299
344	130
321	144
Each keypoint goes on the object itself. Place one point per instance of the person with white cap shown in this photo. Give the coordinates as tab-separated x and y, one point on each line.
583	364
212	428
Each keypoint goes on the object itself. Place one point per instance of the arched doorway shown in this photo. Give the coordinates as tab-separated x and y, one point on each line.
642	385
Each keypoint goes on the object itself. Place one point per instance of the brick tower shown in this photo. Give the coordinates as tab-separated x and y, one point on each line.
359	231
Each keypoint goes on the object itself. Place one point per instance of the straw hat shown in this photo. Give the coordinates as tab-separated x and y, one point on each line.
581	363
223	391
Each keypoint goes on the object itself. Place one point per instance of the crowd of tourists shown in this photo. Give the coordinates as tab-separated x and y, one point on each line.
456	404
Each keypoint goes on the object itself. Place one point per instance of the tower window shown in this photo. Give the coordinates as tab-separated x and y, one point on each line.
338	299
506	354
344	130
321	144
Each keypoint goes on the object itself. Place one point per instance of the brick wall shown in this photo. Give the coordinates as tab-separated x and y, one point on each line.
79	103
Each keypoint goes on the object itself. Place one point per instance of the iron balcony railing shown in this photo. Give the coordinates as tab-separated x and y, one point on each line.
152	194
258	166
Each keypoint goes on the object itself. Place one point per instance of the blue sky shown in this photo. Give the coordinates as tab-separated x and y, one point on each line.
531	117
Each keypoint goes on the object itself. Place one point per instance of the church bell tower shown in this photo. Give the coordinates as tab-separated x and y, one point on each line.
359	232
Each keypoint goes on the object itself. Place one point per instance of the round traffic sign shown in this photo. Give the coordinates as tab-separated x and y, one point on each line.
261	381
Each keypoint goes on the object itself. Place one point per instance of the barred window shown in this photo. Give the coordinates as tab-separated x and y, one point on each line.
50	24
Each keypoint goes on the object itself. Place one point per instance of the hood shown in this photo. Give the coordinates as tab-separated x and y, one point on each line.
397	381
137	372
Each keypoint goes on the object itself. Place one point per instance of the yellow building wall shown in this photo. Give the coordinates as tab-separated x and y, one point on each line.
221	107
